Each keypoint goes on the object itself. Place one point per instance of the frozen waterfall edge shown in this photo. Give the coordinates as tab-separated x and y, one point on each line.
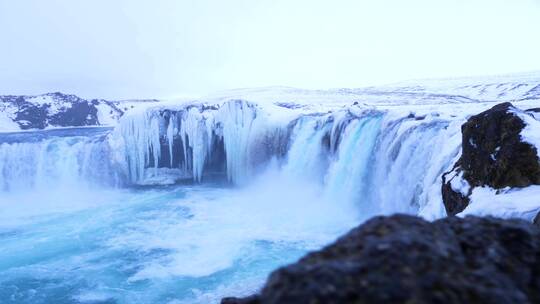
386	162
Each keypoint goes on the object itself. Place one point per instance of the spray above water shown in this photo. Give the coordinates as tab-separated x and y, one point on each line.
381	162
185	204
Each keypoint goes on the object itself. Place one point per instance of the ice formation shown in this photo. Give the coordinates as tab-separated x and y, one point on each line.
386	160
382	148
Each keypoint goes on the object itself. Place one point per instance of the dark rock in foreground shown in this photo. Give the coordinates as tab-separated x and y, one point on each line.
404	259
493	155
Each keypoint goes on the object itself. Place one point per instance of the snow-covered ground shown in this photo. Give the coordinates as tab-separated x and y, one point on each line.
513	87
521	88
506	203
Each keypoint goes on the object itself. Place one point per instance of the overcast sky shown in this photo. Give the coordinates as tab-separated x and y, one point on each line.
167	48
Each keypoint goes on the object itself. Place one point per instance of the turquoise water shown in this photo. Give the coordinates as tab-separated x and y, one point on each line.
181	244
73	229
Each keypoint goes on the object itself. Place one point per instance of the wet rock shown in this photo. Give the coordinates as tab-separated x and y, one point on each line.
454	201
248	300
493	155
405	259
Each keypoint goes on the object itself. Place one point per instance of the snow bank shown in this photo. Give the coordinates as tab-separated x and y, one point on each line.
506	203
531	132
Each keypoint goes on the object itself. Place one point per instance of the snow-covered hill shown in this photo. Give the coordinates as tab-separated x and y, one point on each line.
514	87
511	87
61	110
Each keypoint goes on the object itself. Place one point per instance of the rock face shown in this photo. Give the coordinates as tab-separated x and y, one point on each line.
405	259
493	154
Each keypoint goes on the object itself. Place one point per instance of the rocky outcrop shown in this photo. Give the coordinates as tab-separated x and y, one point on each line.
493	154
405	259
57	110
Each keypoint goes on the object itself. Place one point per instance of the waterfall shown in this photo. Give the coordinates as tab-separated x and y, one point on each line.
347	177
306	158
408	160
381	161
55	160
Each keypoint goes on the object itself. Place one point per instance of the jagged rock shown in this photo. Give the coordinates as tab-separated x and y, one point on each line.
31	116
79	114
493	155
405	259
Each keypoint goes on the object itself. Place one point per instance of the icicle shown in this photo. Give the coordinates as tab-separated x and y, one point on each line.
171	132
238	118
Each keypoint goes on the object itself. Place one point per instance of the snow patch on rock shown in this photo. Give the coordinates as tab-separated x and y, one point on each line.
504	203
531	132
459	184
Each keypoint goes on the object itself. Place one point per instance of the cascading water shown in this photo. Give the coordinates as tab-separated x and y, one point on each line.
380	163
384	163
303	179
347	176
409	158
59	158
306	158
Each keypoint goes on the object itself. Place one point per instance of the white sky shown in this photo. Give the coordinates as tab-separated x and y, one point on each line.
166	48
